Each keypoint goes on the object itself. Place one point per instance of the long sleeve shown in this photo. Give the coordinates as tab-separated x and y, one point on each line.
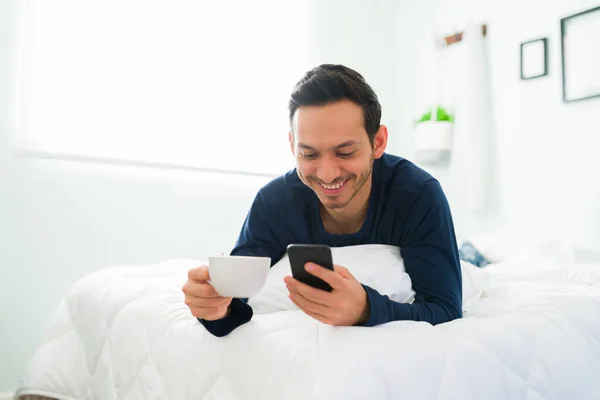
255	239
239	313
430	254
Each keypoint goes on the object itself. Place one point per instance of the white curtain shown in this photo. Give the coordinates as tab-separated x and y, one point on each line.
191	83
470	167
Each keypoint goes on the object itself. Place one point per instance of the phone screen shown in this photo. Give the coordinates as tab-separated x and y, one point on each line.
300	254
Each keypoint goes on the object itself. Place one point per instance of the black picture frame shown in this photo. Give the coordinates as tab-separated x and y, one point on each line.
566	63
525	58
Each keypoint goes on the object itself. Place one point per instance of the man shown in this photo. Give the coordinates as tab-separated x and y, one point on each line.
345	190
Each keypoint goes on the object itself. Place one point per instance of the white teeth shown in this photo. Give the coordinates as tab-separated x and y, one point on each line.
333	187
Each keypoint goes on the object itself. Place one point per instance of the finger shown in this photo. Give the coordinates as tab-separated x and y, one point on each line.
209	314
207	291
316	295
203	290
309	305
320	318
199	274
329	276
343	271
198	302
316	316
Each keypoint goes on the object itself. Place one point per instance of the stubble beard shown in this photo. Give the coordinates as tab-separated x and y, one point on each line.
333	202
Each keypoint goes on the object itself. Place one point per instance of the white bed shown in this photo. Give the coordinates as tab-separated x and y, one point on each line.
531	330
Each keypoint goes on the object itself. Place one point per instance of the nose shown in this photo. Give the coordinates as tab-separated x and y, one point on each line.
328	170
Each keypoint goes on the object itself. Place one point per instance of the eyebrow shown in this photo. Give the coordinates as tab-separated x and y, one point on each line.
339	146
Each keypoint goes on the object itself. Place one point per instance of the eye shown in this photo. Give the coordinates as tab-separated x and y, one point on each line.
308	156
346	155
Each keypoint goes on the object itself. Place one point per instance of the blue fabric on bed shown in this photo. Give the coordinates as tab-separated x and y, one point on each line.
469	253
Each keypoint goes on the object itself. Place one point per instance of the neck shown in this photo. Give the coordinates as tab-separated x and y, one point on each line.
350	219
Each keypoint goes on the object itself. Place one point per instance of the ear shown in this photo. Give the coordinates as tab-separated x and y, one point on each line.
380	141
292	144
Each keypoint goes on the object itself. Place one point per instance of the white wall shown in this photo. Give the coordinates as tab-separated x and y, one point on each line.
60	220
546	151
364	36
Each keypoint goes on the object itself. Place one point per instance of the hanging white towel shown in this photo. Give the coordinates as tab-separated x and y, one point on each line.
470	164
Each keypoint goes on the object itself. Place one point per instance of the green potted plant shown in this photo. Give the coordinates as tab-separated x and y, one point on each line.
434	134
439	114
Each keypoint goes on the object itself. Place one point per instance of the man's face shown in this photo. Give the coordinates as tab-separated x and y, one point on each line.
334	156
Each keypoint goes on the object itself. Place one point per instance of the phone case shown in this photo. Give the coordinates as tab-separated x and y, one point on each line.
300	254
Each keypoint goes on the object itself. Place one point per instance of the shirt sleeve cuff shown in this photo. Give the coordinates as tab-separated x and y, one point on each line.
239	314
374	300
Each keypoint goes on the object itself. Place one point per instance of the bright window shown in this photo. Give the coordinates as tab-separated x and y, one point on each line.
192	83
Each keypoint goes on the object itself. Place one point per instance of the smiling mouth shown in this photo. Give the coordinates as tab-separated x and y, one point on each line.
335	187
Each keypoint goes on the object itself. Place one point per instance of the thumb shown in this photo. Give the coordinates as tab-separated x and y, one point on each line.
343	271
199	274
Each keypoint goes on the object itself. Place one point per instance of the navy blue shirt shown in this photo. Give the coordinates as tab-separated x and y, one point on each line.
407	208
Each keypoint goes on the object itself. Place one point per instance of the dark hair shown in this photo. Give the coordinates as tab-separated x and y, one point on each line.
329	83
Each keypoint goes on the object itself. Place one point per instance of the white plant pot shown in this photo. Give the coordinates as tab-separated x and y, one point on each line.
433	142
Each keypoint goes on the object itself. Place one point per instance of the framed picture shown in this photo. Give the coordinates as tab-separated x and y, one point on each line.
534	58
580	47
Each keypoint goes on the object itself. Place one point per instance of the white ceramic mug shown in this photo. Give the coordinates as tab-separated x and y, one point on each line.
238	276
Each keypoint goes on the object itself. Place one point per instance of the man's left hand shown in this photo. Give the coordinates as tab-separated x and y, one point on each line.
345	305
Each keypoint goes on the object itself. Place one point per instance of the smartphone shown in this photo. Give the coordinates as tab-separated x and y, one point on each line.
300	254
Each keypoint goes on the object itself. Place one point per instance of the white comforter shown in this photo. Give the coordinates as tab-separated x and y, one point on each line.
125	333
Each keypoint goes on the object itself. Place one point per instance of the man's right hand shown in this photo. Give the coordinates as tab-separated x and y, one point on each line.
202	299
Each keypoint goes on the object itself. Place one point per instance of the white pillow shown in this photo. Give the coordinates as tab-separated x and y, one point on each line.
377	266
